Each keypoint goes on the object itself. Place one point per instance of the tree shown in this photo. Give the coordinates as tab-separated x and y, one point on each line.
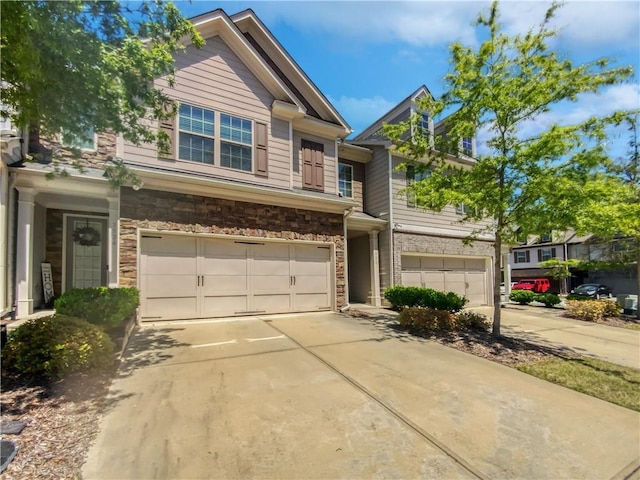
77	66
613	212
501	89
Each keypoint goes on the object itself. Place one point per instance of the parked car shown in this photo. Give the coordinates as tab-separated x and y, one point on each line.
592	290
536	285
503	289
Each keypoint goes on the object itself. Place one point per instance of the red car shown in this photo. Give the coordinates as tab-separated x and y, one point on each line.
536	285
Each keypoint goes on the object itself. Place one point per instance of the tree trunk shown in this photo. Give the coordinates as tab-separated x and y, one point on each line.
638	277
497	252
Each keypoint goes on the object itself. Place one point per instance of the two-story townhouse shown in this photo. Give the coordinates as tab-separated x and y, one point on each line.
247	212
419	247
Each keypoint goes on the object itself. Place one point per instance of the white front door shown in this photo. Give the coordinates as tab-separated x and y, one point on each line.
86	252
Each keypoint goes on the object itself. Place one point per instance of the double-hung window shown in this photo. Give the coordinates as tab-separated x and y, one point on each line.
236	142
412	177
85	141
545	254
197	134
464	209
467	146
345	180
520	256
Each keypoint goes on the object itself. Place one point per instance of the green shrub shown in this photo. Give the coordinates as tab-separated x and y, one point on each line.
469	320
611	308
53	347
587	310
404	297
106	307
549	299
523	297
422	320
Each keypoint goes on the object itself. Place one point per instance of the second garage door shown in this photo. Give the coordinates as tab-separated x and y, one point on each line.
464	276
196	277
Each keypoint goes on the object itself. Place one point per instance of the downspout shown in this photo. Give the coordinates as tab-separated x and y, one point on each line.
347	214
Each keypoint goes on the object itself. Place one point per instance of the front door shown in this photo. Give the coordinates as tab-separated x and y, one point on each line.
86	252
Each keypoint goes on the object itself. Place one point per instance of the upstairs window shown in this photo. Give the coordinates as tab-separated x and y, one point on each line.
412	177
521	256
463	209
85	141
197	130
424	122
467	146
345	180
545	254
545	238
236	142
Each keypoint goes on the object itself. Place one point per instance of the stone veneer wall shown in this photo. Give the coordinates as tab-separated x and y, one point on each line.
54	238
105	148
167	211
429	244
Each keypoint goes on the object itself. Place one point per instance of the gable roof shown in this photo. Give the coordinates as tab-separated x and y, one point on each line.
400	112
295	94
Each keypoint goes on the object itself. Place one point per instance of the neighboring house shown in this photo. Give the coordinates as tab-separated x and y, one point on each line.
419	247
591	248
525	258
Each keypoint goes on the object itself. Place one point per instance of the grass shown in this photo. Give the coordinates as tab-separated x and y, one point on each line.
632	326
600	379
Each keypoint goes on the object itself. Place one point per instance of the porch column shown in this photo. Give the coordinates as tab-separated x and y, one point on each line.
507	274
112	247
374	259
24	251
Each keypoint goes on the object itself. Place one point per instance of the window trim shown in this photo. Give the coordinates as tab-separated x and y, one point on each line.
342	164
468	152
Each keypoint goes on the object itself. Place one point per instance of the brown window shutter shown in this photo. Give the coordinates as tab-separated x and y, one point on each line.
539	255
307	165
168	126
553	253
312	165
515	257
528	257
262	167
318	167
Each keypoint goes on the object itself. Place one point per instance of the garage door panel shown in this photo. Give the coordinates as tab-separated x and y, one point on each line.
170	307
433	280
168	265
412	279
228	248
169	285
221	305
453	263
431	263
224	283
272	302
410	262
312	301
312	252
475	264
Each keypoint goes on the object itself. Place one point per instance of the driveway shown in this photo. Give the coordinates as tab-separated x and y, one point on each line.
328	396
545	326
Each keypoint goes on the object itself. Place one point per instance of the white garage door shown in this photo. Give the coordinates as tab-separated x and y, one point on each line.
464	276
193	277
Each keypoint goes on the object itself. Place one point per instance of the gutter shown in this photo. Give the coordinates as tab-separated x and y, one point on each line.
347	214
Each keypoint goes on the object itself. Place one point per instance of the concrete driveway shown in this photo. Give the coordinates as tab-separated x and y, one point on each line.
328	396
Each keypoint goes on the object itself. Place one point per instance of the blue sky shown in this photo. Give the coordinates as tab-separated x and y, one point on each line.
368	56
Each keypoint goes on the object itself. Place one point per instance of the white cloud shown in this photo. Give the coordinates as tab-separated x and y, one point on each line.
361	112
428	23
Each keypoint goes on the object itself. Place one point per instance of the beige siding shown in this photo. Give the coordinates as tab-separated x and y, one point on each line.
405	215
214	77
384	246
330	160
376	192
